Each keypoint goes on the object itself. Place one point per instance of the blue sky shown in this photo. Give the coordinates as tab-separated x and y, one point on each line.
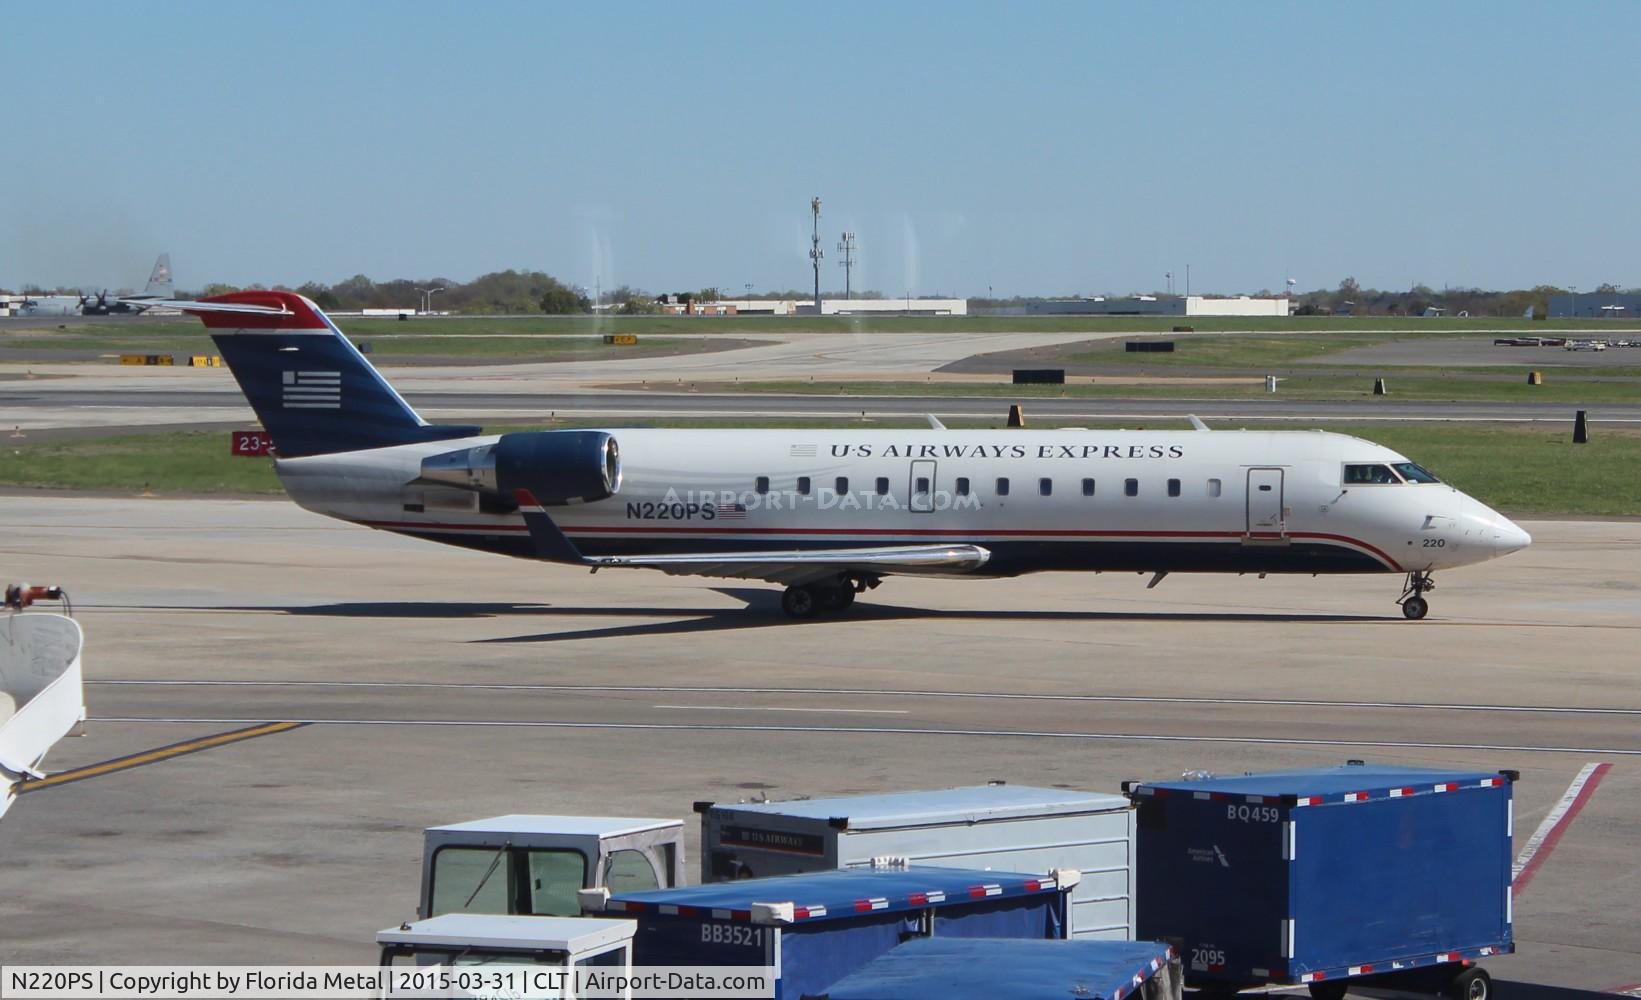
1033	148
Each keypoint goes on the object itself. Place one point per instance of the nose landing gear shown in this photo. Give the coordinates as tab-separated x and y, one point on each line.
1414	606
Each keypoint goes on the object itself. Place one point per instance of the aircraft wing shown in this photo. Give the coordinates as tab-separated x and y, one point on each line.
790	567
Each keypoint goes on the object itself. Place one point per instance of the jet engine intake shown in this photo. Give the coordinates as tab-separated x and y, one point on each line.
559	467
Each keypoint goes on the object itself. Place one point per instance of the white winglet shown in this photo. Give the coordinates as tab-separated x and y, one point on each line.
934	422
1195	422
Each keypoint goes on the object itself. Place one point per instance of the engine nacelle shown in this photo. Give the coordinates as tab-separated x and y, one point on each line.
559	467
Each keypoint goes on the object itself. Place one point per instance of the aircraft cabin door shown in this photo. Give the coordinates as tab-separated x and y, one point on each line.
1266	518
922	486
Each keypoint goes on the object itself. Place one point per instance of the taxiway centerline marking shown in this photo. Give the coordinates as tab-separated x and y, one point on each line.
156	755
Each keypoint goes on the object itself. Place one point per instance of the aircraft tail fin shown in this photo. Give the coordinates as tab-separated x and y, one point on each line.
159	282
313	391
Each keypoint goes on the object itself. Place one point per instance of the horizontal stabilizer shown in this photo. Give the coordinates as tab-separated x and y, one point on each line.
215	307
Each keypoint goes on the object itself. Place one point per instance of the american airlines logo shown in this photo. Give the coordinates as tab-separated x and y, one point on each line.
312	391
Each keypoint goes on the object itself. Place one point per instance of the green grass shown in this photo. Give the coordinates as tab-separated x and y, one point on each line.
527	346
1558	388
1229	352
185	462
1516	468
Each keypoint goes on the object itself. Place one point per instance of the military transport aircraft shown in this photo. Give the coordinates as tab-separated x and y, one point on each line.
830	513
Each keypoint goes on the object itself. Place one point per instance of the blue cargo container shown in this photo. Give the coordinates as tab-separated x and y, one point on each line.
992	969
818	927
1316	876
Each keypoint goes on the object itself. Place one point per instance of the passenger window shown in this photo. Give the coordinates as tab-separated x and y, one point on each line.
1369	475
1131	487
555	878
1088	487
922	486
1213	487
1173	487
883	486
803	486
1045	487
630	871
962	486
841	485
1003	487
763	484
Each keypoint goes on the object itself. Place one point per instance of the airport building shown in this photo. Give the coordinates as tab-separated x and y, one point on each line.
677	305
1163	305
1595	305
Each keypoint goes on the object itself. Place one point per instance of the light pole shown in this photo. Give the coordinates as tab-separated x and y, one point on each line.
1574	290
1187	281
815	253
430	293
1170	276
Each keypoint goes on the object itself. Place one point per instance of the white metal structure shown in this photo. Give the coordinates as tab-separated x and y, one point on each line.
830	513
1001	827
41	696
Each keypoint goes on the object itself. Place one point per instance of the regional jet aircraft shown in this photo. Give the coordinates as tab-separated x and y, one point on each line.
830	513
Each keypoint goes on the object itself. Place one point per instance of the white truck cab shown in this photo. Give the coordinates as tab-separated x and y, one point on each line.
472	941
534	865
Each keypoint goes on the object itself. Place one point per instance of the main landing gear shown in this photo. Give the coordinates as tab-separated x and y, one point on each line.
826	596
1413	604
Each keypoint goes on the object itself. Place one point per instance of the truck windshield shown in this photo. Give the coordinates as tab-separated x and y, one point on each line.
506	880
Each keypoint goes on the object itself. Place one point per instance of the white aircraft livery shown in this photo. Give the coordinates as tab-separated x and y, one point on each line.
831	513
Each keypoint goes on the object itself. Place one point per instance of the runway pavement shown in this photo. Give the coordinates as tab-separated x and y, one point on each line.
435	684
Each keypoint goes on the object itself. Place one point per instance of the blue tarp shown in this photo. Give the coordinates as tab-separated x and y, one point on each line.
974	968
841	920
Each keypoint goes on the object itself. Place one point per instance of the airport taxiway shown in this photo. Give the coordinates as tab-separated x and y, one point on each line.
432	684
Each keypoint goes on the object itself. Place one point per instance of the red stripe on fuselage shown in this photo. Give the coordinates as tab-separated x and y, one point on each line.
623	529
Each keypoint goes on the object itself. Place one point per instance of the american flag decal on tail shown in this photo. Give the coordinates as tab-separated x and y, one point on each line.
730	511
312	390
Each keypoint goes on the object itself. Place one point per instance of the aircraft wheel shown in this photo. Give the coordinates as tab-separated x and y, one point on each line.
837	598
1415	608
1328	989
800	602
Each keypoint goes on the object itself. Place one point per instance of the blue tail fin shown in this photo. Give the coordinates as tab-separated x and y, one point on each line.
313	391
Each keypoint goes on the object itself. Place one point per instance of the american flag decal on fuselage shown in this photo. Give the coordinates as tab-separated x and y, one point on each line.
730	511
312	390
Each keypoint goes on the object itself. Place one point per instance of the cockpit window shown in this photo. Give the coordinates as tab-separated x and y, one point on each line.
1415	473
1369	475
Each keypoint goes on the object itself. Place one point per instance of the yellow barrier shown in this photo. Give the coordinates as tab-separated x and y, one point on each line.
133	359
621	338
205	361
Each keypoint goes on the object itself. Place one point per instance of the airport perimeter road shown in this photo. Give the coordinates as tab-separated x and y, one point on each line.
433	684
39	405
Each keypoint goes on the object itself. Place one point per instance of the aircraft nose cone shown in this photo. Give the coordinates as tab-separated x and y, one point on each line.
1495	531
1510	537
